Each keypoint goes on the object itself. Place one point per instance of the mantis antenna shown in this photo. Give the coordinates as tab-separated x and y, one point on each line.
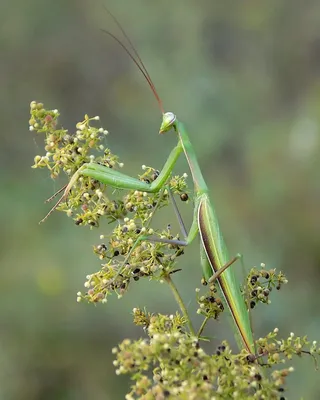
138	61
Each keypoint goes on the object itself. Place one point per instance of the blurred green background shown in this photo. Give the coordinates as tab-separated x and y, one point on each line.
244	76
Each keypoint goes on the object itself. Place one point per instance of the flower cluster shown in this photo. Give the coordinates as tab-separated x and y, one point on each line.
277	350
260	283
210	304
130	255
67	152
172	364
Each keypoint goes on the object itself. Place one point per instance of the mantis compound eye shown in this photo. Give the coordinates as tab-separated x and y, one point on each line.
167	121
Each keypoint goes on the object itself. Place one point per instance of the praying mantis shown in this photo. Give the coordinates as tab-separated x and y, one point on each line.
216	263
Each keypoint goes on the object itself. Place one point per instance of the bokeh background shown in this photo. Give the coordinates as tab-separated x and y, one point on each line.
245	78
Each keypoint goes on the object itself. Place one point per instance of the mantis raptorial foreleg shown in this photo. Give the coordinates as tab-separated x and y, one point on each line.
117	179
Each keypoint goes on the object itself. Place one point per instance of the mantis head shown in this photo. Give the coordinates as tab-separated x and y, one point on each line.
168	120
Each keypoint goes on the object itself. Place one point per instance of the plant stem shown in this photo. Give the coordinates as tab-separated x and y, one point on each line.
202	326
180	302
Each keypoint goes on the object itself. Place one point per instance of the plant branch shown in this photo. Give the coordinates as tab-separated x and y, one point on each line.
180	302
202	326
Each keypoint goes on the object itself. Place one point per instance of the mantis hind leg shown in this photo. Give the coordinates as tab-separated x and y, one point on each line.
209	274
224	267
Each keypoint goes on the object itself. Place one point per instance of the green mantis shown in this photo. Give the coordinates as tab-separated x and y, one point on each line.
213	251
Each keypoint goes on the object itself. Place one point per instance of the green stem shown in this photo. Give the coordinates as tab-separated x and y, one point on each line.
181	303
202	326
